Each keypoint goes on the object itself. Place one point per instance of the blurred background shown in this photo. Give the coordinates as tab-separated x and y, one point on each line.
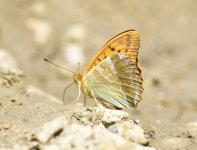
68	32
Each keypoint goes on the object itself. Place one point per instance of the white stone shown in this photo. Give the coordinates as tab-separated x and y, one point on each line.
50	128
73	53
100	131
40	29
76	32
136	135
111	116
110	141
79	137
8	63
131	131
75	136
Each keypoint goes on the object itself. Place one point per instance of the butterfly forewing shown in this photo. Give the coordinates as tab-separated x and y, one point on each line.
115	82
126	43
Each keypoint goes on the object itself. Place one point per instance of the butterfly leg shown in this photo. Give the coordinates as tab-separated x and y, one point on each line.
99	106
84	100
64	93
79	94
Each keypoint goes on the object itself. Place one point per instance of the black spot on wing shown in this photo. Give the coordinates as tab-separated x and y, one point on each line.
111	48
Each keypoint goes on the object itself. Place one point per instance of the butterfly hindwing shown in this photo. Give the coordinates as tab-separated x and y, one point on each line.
115	82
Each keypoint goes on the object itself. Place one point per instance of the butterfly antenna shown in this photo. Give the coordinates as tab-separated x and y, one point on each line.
64	93
78	67
59	66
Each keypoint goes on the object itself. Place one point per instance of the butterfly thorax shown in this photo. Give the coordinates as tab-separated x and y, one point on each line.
78	79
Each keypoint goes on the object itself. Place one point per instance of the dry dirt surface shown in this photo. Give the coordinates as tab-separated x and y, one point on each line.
68	32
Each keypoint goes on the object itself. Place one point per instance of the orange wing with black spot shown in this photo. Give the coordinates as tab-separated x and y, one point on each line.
127	43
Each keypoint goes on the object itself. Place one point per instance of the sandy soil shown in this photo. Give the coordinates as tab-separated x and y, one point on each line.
167	58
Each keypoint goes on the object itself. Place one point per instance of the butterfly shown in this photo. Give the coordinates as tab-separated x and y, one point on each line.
113	77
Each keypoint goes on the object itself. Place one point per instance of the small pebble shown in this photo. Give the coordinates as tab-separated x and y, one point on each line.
13	100
149	133
20	104
7	126
192	128
156	82
158	121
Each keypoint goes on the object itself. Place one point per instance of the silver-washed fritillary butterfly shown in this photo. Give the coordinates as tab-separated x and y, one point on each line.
113	77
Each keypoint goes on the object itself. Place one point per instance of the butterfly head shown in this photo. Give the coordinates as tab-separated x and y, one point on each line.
77	78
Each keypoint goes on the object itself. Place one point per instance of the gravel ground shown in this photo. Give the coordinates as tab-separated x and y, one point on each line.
57	30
